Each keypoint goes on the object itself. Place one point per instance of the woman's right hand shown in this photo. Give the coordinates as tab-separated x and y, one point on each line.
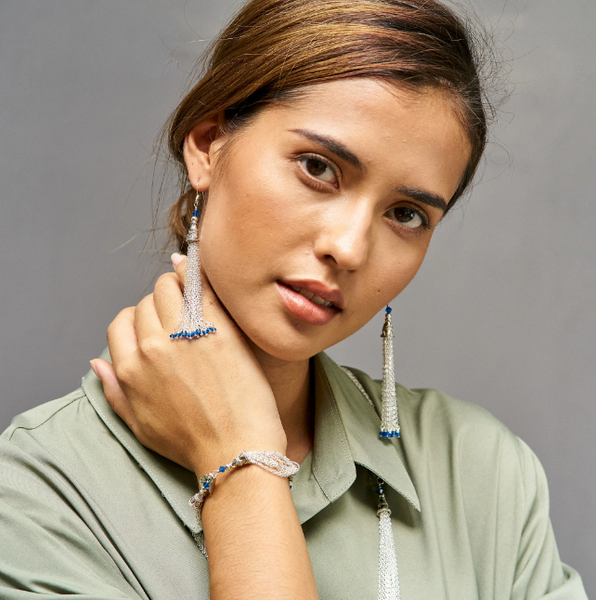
200	403
197	402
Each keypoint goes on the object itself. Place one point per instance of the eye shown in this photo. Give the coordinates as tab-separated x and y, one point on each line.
319	169
409	217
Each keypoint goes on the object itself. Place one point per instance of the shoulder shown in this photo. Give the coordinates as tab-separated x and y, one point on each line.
55	426
432	414
45	414
457	442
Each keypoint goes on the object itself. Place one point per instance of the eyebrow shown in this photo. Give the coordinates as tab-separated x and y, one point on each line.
341	151
429	198
332	145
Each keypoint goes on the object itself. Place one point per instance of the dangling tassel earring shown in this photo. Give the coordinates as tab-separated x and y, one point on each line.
191	323
388	573
389	420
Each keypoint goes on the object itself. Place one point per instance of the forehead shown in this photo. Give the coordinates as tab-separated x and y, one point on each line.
415	137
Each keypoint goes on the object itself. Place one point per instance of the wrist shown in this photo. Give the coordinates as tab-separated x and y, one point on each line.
272	462
206	462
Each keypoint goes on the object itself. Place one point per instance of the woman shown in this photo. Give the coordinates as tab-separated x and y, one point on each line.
330	139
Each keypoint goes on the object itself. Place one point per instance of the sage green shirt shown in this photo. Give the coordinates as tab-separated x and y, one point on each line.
86	510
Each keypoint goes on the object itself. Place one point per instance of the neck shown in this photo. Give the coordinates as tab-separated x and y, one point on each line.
290	382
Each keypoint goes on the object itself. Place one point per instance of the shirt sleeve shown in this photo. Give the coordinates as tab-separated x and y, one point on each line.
46	549
539	571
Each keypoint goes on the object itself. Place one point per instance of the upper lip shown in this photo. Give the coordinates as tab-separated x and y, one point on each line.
318	288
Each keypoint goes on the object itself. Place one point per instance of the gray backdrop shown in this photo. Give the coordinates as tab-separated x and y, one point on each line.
501	314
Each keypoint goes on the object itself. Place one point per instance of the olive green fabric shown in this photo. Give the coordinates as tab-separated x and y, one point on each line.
86	510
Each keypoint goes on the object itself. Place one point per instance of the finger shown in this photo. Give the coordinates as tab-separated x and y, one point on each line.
147	322
112	390
167	299
179	264
212	308
122	338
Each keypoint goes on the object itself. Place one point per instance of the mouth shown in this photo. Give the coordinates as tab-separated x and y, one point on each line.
311	301
312	297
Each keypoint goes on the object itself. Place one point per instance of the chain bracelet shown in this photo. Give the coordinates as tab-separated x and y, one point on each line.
273	462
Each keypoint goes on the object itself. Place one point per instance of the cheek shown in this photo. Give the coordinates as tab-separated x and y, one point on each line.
243	229
392	269
252	211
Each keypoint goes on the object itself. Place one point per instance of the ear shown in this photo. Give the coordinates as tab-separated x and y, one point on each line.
198	150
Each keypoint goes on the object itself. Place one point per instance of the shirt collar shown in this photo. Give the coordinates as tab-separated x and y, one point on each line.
346	434
356	426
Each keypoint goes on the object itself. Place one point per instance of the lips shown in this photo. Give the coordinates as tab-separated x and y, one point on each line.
312	297
311	289
311	301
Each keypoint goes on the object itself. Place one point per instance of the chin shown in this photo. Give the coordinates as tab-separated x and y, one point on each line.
287	348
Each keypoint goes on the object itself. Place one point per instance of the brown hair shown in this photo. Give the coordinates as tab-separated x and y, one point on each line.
271	48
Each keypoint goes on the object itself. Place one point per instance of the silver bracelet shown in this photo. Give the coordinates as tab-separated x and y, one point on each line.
274	462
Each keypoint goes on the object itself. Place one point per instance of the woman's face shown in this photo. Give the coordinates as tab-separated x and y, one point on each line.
335	194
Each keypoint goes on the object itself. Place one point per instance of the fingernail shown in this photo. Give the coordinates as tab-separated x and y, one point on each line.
94	368
176	258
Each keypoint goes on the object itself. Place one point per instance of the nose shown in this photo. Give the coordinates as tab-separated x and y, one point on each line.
345	237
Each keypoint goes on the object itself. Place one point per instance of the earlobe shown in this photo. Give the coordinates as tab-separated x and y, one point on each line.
198	150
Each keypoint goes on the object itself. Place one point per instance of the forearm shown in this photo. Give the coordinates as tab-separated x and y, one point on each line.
254	539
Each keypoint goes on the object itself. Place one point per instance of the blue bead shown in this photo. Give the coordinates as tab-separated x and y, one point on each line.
379	491
207	485
195	213
388	310
222	469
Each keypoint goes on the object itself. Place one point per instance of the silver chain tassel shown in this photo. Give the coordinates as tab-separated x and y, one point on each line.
389	418
191	323
388	574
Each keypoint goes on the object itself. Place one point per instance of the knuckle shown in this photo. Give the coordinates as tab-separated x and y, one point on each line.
165	282
125	371
148	299
151	348
124	315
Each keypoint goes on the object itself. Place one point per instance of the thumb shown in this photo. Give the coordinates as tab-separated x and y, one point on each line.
112	390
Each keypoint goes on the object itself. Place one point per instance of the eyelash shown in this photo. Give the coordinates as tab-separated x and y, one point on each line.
315	182
425	224
321	185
